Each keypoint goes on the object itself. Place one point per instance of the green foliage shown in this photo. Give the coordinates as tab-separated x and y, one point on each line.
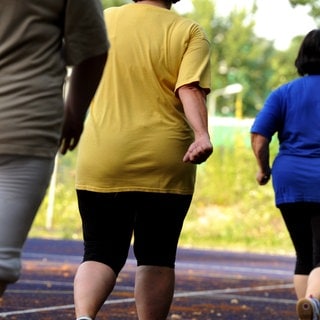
229	209
239	56
283	63
113	3
314	6
65	222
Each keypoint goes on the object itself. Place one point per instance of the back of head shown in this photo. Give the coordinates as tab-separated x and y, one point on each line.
308	58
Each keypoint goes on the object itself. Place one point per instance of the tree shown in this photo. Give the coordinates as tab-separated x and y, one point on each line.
113	3
314	6
239	56
283	64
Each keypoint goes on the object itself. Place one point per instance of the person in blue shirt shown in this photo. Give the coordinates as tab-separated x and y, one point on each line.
293	112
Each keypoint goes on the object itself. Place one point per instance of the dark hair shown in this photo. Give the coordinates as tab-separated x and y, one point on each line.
168	1
308	58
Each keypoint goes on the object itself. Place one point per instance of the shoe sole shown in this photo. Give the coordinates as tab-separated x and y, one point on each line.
304	309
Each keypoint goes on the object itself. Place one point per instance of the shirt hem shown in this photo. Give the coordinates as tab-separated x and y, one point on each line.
133	189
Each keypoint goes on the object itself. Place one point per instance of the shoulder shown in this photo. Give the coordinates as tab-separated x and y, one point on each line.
284	88
189	28
292	87
187	23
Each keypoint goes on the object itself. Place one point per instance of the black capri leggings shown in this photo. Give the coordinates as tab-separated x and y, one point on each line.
110	219
303	223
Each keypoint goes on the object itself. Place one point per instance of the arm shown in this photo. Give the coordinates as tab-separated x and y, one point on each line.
193	99
260	147
84	81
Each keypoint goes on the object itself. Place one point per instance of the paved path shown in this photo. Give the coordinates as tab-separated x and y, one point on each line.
209	285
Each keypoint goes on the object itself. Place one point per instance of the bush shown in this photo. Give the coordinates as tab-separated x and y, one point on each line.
229	209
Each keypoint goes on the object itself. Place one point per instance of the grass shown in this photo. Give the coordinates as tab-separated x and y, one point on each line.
229	209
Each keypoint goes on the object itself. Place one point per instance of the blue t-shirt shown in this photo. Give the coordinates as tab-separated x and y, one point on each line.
293	111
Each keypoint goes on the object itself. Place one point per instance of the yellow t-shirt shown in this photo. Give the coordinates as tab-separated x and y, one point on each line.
136	132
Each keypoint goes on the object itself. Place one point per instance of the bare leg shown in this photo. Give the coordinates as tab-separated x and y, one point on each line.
93	283
154	288
308	307
300	285
313	288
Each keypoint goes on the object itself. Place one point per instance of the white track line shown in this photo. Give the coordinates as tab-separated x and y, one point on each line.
215	294
236	269
180	265
45	283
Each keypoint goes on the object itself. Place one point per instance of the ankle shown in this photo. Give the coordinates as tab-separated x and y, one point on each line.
311	297
84	318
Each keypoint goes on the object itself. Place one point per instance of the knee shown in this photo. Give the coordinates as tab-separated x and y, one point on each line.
10	265
115	265
114	262
156	260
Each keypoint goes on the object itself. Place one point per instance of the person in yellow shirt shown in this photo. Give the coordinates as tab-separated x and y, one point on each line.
145	133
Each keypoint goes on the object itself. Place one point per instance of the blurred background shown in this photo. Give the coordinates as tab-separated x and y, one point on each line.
254	45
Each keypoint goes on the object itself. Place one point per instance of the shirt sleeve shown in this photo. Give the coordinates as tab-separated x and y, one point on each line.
268	120
85	34
195	65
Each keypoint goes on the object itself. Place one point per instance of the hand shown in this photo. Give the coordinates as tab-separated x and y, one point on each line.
71	132
263	178
199	151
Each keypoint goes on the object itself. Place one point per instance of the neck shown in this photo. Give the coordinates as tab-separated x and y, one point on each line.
158	3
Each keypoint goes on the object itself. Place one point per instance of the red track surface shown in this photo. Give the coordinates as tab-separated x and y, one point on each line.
209	285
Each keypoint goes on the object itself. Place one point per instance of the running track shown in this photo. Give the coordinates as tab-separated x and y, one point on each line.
209	285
